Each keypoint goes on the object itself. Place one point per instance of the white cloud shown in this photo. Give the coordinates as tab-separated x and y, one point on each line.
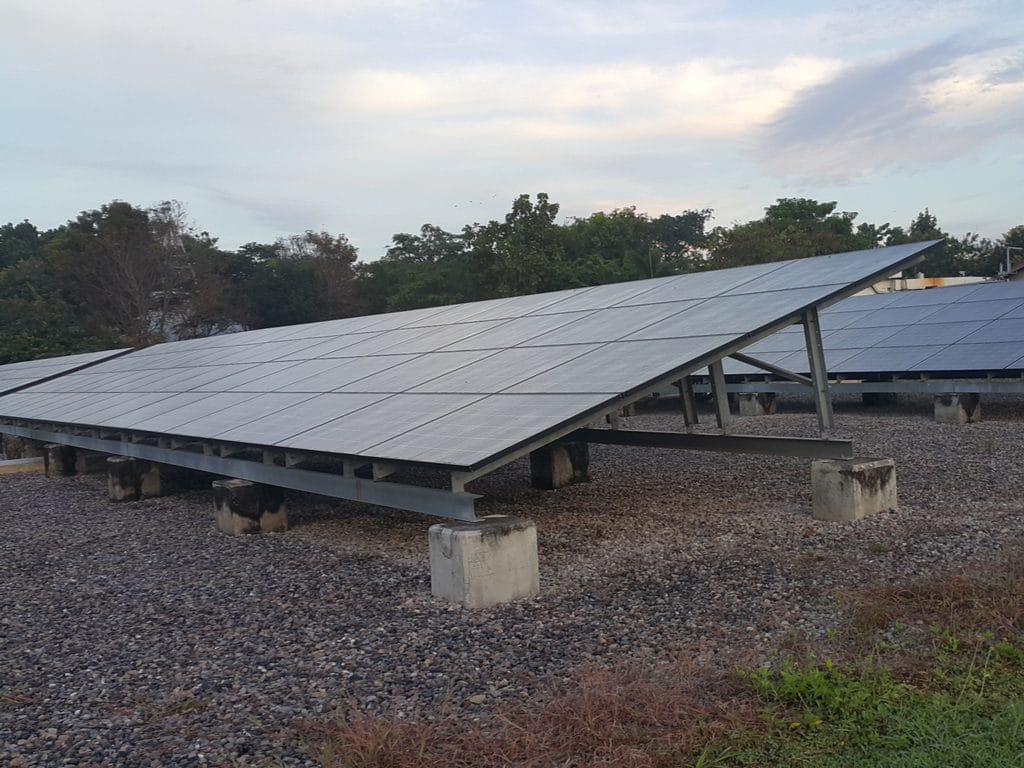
622	101
980	88
922	107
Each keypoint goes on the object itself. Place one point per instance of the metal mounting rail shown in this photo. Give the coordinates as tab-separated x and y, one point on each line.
429	501
808	447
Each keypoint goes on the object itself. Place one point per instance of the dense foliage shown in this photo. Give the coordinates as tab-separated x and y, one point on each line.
124	275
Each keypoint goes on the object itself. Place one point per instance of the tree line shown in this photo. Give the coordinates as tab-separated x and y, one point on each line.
123	275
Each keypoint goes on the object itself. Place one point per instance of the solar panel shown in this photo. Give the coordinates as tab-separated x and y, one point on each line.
14	376
963	357
959	330
789	340
455	386
613	368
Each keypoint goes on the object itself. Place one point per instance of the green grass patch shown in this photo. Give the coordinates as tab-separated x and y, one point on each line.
966	713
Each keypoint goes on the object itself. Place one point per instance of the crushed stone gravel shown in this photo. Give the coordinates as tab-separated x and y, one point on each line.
136	634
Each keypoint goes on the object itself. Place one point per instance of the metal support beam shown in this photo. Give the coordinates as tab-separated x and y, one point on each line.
685	387
920	386
819	374
782	373
428	501
808	447
718	392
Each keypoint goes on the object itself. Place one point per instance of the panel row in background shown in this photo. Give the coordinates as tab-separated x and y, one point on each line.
966	329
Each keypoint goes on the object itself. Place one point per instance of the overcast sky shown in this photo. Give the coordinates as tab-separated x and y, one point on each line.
270	117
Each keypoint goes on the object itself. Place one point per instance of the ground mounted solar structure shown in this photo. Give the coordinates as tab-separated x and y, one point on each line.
461	389
962	339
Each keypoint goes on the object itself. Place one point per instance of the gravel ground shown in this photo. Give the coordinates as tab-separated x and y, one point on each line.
137	635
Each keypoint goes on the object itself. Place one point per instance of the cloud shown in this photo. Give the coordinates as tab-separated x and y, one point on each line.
927	105
618	101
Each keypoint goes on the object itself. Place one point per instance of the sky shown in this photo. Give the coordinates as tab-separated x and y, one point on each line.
266	118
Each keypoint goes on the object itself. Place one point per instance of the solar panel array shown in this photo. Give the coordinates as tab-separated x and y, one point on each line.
18	375
962	330
453	386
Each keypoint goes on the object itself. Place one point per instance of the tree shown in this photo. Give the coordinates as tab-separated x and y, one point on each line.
35	319
524	253
115	273
611	247
680	239
626	245
424	270
18	242
330	259
298	279
792	228
284	292
217	301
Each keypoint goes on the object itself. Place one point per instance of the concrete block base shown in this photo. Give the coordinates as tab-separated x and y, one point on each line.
246	507
132	479
558	465
851	489
30	466
485	563
756	403
963	408
59	460
15	447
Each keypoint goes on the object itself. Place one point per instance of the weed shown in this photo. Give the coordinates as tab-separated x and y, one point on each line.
1009	653
820	692
631	717
186	705
9	701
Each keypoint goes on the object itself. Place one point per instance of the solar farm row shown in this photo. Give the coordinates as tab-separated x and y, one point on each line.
963	330
453	386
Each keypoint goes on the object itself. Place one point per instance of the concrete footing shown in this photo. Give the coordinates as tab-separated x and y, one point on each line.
132	479
851	489
484	563
15	447
555	466
756	403
246	507
66	460
963	408
59	460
